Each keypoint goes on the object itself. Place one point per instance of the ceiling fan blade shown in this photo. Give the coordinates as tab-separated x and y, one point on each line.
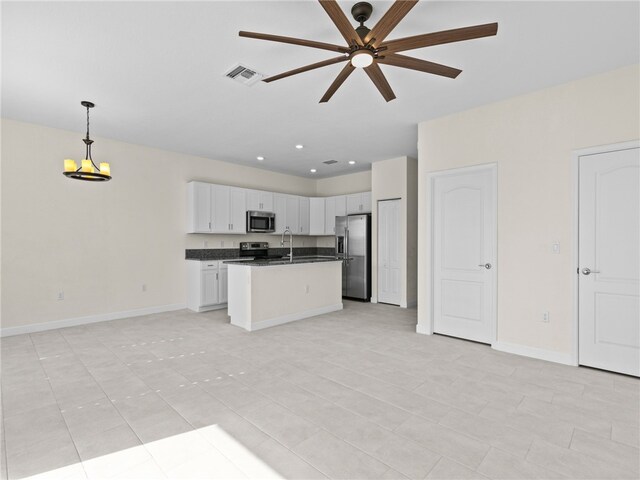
295	41
342	76
439	38
379	80
389	21
341	21
306	68
420	65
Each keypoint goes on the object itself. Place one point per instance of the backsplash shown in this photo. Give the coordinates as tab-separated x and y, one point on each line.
228	253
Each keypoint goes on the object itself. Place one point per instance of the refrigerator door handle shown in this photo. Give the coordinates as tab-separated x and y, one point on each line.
346	246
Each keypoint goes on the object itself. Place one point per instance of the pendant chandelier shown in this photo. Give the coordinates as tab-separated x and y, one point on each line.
88	170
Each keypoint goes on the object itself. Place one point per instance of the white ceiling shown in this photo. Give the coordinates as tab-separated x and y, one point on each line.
155	72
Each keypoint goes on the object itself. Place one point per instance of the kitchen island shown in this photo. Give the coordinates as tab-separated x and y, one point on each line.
265	293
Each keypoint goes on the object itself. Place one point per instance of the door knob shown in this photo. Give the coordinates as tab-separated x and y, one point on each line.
588	271
485	265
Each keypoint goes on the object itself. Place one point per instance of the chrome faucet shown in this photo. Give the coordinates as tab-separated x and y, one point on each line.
290	243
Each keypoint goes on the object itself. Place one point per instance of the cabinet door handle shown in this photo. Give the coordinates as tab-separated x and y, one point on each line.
209	225
216	276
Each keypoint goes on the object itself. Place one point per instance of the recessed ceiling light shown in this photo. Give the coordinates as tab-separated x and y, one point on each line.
352	162
299	147
313	170
260	158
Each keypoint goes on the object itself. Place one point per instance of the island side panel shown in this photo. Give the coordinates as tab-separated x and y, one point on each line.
239	295
285	293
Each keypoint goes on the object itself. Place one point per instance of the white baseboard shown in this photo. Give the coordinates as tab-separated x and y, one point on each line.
533	352
423	329
292	317
220	306
73	322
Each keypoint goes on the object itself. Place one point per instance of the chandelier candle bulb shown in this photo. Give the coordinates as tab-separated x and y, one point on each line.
87	166
70	165
105	169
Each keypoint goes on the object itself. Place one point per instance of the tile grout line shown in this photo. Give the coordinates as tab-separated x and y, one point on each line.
110	400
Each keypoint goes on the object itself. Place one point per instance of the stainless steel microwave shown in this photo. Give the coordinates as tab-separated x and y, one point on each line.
261	222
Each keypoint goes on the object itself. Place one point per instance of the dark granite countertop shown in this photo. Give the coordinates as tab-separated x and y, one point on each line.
284	261
232	253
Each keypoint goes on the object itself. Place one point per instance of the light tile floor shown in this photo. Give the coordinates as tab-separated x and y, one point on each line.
352	394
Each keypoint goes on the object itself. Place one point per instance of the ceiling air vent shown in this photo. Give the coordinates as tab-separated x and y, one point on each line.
244	75
330	162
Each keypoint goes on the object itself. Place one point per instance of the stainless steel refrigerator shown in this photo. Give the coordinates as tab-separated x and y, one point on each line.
353	245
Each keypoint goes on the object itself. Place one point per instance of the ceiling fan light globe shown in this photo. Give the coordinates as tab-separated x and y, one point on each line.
362	59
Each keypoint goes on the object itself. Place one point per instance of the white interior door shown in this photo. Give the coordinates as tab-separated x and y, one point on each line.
389	252
609	261
464	246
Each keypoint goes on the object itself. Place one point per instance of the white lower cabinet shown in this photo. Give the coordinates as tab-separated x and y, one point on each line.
223	283
206	285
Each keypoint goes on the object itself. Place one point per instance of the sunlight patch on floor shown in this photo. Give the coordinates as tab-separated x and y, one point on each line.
207	452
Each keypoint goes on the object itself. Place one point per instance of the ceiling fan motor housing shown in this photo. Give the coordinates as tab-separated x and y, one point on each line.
361	12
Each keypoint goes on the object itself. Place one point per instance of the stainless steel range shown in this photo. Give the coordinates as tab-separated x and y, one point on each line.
257	250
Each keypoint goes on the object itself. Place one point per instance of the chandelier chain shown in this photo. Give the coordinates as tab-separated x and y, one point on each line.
87	123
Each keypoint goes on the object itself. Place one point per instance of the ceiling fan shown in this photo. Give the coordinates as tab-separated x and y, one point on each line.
366	48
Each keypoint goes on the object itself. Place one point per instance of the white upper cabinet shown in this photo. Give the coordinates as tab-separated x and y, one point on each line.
330	215
341	206
216	208
316	216
199	202
280	208
292	213
220	208
304	215
238	210
260	201
366	202
359	203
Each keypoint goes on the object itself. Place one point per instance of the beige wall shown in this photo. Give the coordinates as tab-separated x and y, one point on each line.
99	243
531	138
391	179
350	183
412	232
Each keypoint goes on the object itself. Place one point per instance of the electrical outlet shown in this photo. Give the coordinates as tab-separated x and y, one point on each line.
555	247
306	289
221	243
144	287
206	243
545	317
60	295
